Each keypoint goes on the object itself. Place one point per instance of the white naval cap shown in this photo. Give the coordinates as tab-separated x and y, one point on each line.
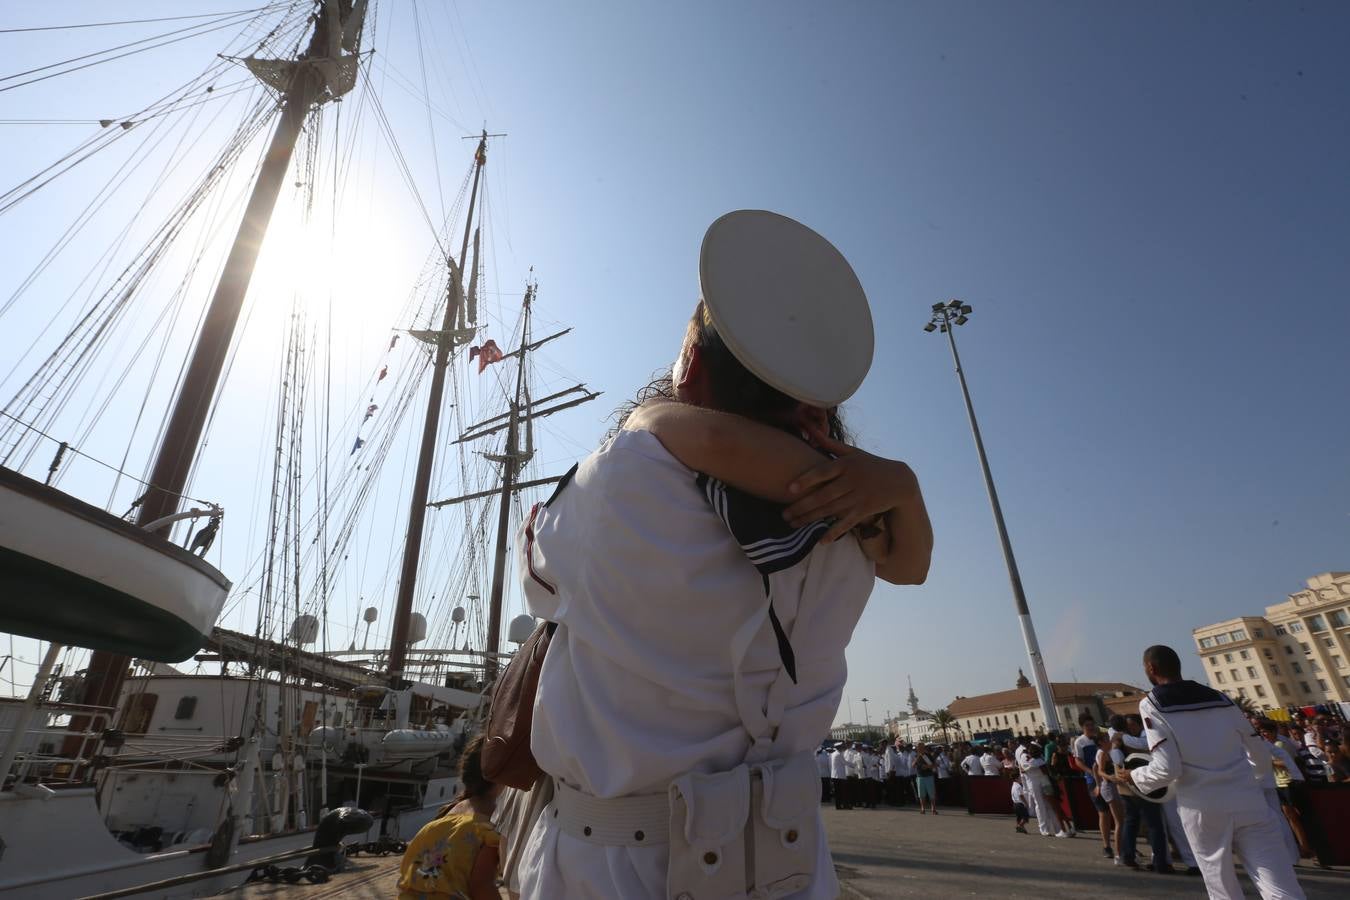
788	305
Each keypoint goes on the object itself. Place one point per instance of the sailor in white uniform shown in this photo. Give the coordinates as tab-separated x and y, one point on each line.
701	628
890	768
971	764
823	770
839	777
1037	784
1201	742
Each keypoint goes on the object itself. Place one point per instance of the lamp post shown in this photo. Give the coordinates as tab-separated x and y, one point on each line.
867	722
944	318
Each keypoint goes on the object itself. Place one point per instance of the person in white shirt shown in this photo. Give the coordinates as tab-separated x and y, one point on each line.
701	626
971	764
871	777
943	761
1039	790
839	777
1019	802
990	763
906	769
853	756
823	770
891	770
1200	742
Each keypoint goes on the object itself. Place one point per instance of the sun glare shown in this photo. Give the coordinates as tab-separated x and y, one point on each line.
359	264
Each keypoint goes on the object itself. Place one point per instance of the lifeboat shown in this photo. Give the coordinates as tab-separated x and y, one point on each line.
74	574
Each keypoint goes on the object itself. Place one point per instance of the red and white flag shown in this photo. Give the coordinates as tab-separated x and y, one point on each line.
487	354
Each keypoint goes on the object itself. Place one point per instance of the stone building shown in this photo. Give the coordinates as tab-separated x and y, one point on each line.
1294	655
1018	711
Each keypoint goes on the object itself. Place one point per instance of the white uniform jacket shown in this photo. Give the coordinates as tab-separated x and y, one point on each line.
1200	740
890	761
668	665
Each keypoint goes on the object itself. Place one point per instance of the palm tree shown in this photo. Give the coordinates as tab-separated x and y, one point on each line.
943	721
1247	705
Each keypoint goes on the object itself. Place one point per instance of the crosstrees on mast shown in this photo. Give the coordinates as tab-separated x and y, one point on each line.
521	411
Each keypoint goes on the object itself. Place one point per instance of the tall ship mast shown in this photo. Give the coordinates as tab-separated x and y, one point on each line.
215	719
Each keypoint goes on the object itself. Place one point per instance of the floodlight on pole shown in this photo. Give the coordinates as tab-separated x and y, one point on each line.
945	317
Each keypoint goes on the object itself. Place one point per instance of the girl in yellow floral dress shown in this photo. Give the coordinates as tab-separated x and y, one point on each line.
454	857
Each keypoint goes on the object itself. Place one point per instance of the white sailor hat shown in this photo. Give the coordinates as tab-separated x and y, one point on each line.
788	305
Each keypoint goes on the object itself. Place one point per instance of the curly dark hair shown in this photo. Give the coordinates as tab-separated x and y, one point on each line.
472	782
735	389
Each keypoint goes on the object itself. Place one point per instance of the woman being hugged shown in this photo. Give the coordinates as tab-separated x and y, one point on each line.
454	857
705	569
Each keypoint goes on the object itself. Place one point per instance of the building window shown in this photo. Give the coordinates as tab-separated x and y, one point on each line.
1244	654
1298	670
1238	635
1206	643
186	707
1258	633
1284	691
1275	670
1316	666
1228	657
1016	720
1304	686
1317	623
1251	672
1321	683
1242	692
1339	618
1213	660
1288	650
1304	646
1219	676
1329	642
1295	627
1269	653
1234	673
1338	662
1280	629
1221	638
1033	717
1260	691
1346	679
1068	715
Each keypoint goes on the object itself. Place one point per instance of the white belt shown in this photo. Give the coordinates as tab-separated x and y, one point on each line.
637	820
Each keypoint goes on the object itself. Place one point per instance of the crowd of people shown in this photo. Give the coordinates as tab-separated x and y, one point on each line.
856	774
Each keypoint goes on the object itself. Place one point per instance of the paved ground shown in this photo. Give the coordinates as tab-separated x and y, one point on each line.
887	853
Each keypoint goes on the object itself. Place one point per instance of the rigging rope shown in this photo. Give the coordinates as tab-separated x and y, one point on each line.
140	21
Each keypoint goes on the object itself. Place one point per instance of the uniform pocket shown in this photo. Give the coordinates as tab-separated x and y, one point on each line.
786	824
708	814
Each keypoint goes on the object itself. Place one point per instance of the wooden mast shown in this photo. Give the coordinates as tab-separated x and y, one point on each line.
178	450
417	511
512	459
521	409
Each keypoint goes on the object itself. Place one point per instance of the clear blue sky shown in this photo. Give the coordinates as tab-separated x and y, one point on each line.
1148	207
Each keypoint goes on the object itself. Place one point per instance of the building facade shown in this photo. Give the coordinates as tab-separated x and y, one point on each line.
1294	655
1018	711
